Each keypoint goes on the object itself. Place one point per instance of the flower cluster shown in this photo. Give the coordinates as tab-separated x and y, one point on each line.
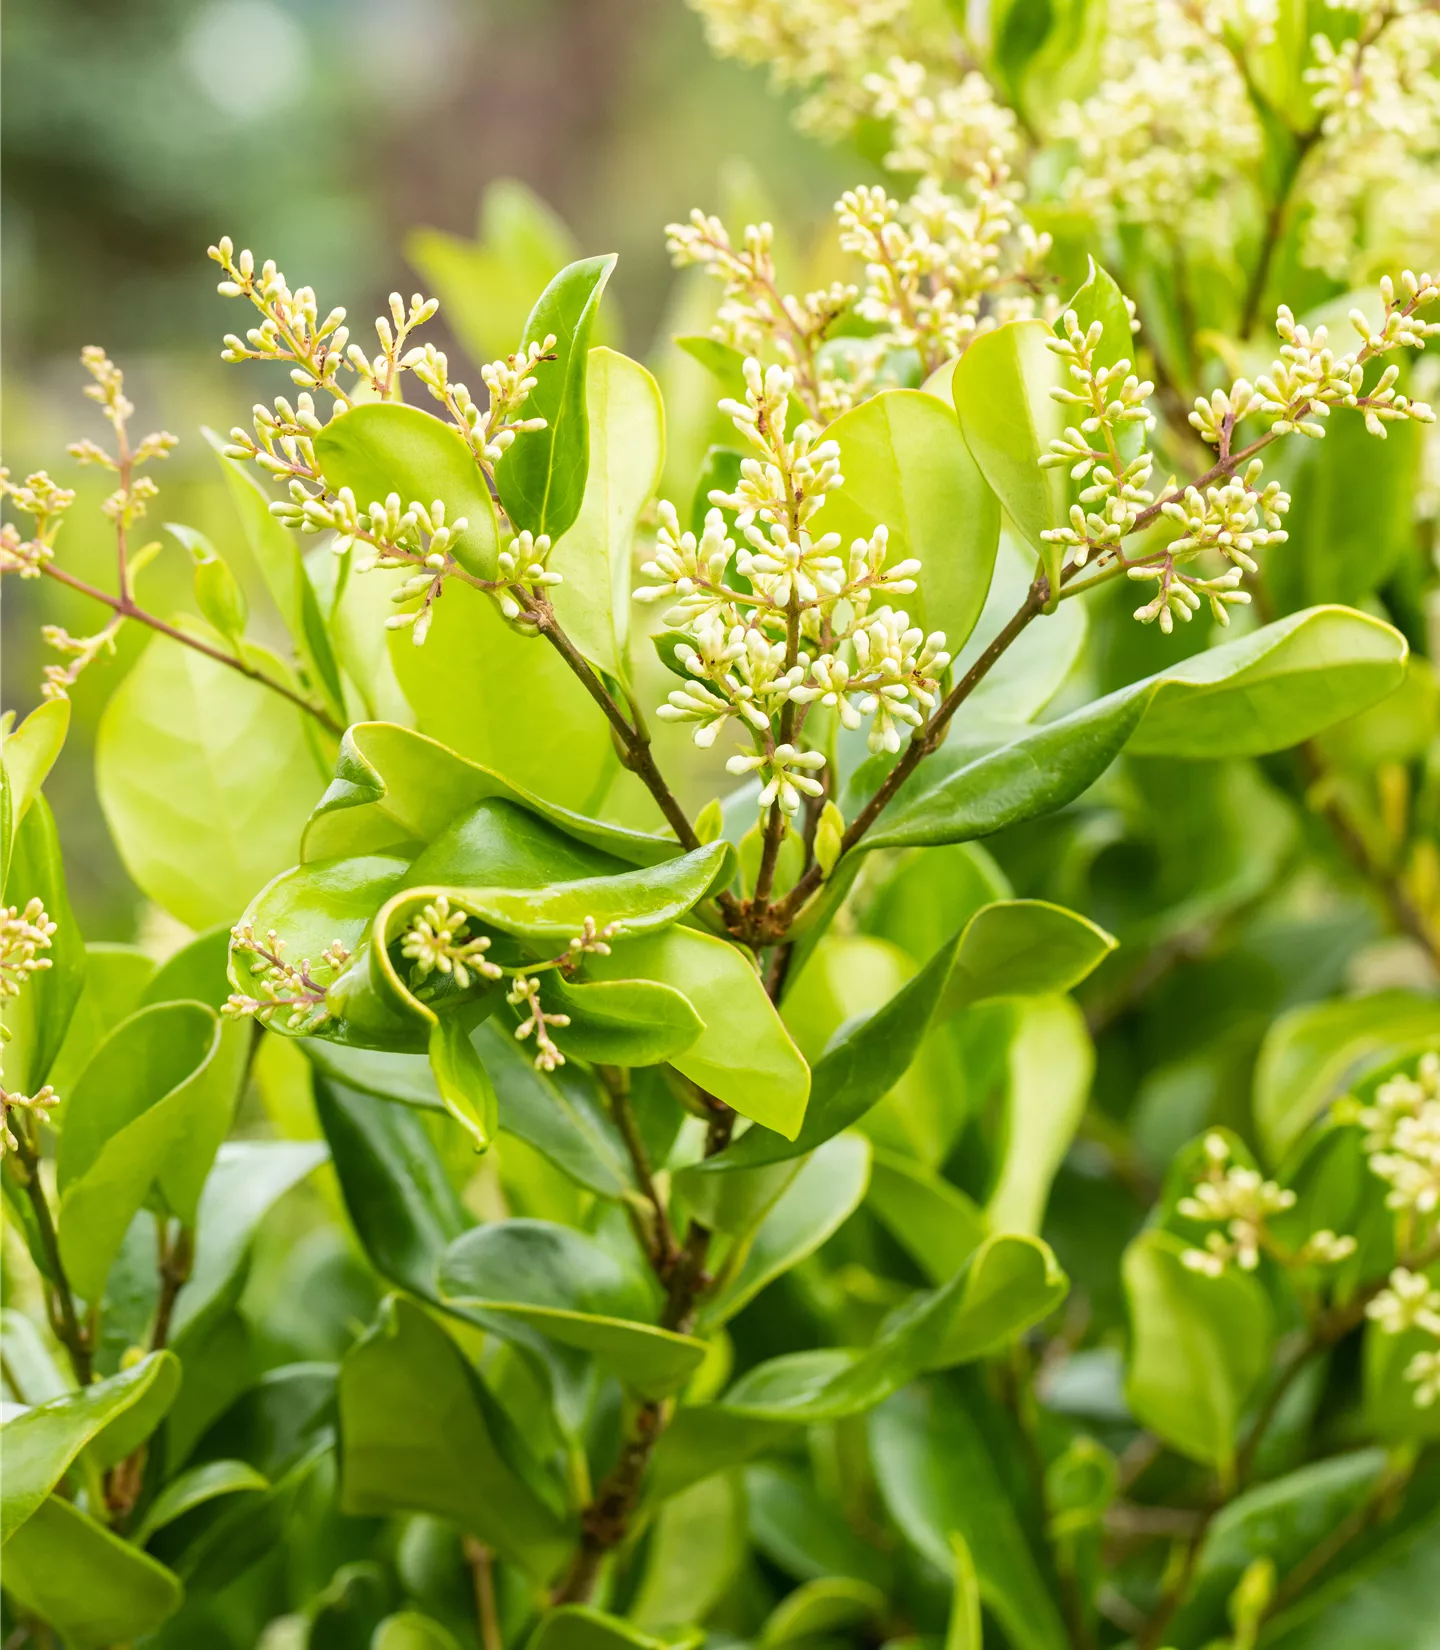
398	533
1243	1202
297	987
940	131
1410	1302
800	624
436	941
24	934
1402	1138
932	264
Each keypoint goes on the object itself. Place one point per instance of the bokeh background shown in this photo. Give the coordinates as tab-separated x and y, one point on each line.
321	133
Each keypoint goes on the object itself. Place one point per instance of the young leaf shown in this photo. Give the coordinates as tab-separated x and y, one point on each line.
97	1590
627	455
906	466
565	1286
1002	396
463	1084
963	1632
420	1432
696	1550
580	1627
383	447
28	753
1200	1346
38	1019
542	477
195	1488
205	778
839	1605
937	1225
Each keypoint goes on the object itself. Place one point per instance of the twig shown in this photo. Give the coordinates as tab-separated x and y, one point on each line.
617	1085
174	1263
482	1568
60	1299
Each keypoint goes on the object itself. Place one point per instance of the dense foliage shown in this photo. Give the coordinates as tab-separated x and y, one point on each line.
595	1185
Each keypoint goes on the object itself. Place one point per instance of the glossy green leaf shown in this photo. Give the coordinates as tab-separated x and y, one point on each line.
145	1120
1013	947
696	1549
627	454
933	1221
744	1056
798	1528
486	691
206	780
65	1569
464	1085
1199	1347
28	753
581	1627
1259	693
568	1288
1050	1063
1002	395
399	1200
905	465
195	1488
838	1605
409	1630
622	1022
248	1179
542	476
963	1630
421	1433
114	982
938	1478
41	1444
281	562
1311	1054
828	1189
37	1020
1284	1521
1007	1285
395	789
486	287
384	447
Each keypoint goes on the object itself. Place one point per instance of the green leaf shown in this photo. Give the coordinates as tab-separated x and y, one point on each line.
696	1549
69	1571
906	466
486	286
570	1289
828	1189
622	1022
1012	947
195	1488
114	982
38	1019
627	455
396	1192
829	1605
421	1433
383	447
1385	1602
486	691
963	1631
144	1122
41	1443
463	1084
580	1627
798	1528
1199	1348
278	555
938	1478
394	789
744	1056
1008	1284
28	753
409	1630
1311	1054
205	778
935	1222
248	1179
1002	396
1258	693
1284	1521
542	476
1051	1061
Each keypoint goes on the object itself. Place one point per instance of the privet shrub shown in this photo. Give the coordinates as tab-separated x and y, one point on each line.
714	1155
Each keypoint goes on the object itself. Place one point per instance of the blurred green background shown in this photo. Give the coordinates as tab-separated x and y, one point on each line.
319	133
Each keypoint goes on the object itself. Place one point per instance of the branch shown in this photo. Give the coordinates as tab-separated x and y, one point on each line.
64	1318
127	608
